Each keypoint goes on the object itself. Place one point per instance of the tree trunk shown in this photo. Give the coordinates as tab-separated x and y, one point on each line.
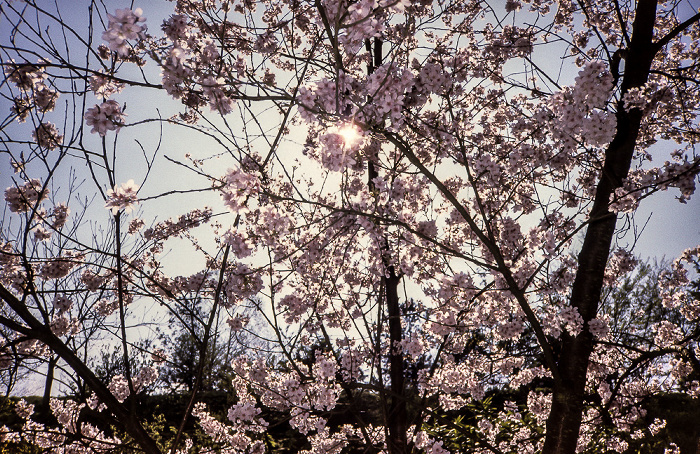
396	417
48	384
564	421
396	414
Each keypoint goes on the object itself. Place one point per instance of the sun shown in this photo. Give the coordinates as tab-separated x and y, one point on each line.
350	134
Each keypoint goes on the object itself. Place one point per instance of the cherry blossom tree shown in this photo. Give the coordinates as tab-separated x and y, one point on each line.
421	205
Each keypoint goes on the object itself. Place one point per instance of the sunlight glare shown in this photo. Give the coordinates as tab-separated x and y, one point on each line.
350	134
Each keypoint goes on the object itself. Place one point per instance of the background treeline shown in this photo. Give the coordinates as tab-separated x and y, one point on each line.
163	413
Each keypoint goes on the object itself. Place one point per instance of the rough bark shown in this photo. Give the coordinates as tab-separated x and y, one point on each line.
564	421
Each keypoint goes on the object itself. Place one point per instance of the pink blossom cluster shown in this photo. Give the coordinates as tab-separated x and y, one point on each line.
336	154
104	86
599	328
60	266
680	173
620	263
105	308
323	96
92	281
41	228
511	42
459	288
288	391
105	117
65	326
361	20
196	283
123	197
443	322
30	80
135	225
72	436
176	27
184	223
238	187
513	5
124	25
412	347
305	423
239	243
266	42
21	199
512	240
572	320
62	304
462	378
241	283
293	307
233	438
237	322
380	96
324	368
428	445
627	197
331	443
667	334
462	154
176	71
647	96
60	214
386	88
33	347
580	110
41	233
45	99
67	413
23	409
213	89
11	270
25	76
47	136
432	78
510	329
119	387
195	71
593	85
675	283
146	376
539	404
243	412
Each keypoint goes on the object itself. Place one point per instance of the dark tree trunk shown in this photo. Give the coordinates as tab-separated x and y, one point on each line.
564	421
396	416
48	384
